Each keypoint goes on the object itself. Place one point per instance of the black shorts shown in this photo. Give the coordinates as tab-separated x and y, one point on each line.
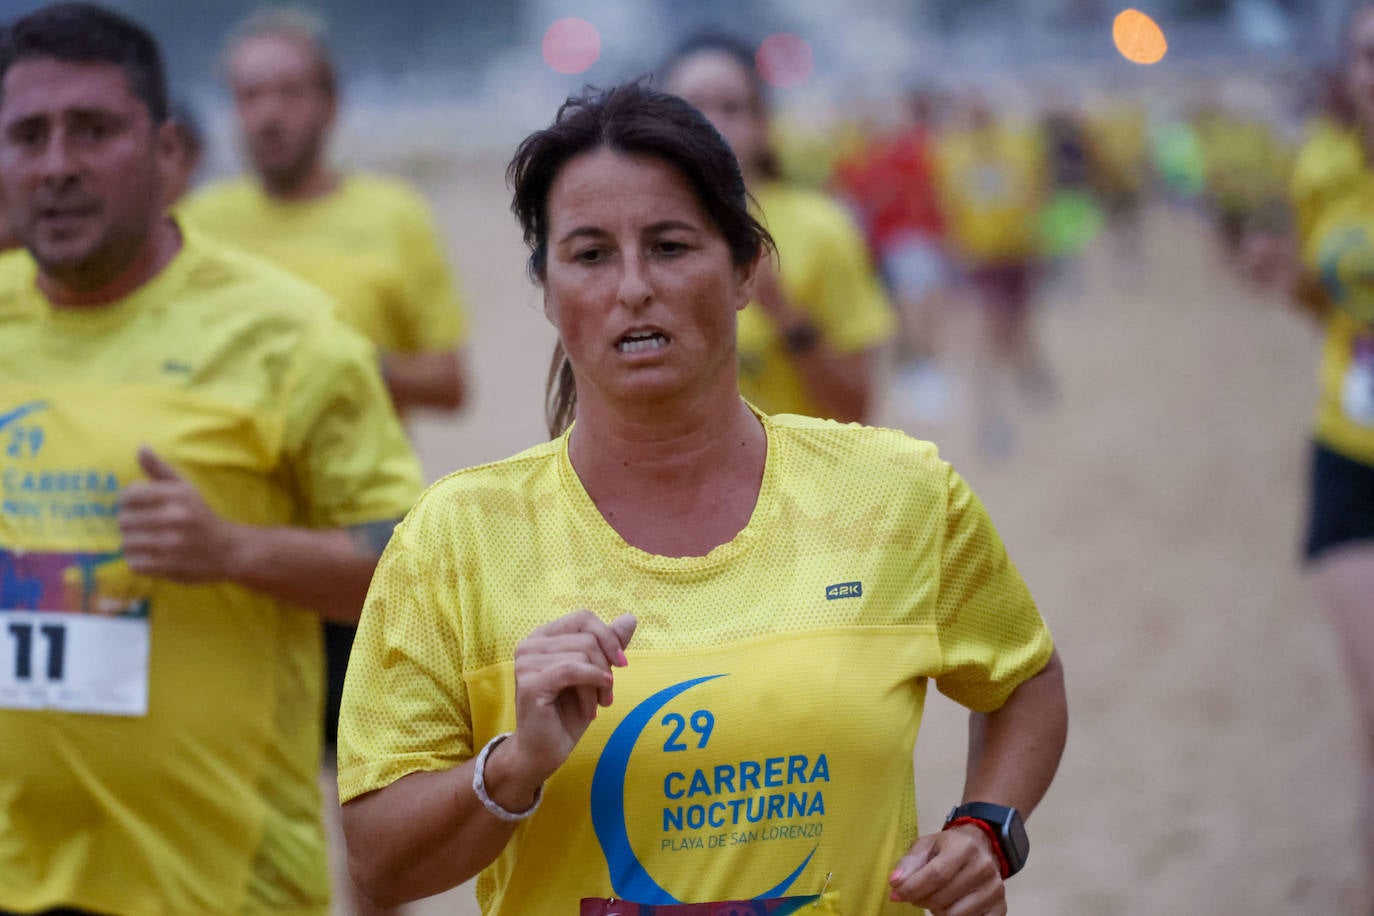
1342	502
338	643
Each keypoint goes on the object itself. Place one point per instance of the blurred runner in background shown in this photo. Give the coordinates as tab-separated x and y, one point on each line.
890	184
994	181
1119	130
370	241
1071	216
1247	165
808	343
200	463
1330	271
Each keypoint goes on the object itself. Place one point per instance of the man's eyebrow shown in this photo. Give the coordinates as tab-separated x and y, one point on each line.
84	113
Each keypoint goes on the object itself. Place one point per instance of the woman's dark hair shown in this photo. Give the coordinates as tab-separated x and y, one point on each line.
83	33
631	119
766	162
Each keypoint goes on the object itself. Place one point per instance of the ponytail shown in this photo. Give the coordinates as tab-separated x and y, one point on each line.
560	394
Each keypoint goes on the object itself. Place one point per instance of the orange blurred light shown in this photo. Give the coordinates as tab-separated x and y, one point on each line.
1138	37
571	45
785	60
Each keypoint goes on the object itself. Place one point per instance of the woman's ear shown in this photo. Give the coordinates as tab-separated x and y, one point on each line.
746	277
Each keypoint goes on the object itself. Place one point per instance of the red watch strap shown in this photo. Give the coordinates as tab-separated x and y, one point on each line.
993	839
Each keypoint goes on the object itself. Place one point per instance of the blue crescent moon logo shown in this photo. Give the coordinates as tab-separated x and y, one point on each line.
629	879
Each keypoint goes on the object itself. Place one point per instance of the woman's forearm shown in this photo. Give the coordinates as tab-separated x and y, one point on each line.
1015	750
428	832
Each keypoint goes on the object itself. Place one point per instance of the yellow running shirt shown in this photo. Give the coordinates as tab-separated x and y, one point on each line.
992	183
825	271
761	740
371	244
1333	194
1247	161
1119	135
161	742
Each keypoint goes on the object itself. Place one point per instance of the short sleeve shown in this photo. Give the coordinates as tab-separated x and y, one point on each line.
405	704
851	308
345	450
435	310
1329	163
991	635
1303	196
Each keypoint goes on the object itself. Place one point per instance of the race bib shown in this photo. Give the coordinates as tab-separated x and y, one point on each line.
778	906
1357	389
73	634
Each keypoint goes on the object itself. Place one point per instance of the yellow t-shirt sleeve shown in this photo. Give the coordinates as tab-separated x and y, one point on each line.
851	308
434	308
405	704
1325	165
992	637
345	449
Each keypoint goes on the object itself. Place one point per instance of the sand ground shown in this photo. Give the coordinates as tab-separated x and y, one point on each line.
1155	513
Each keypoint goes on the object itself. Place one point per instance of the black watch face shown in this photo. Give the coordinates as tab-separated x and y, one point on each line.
1017	834
1019	843
1010	829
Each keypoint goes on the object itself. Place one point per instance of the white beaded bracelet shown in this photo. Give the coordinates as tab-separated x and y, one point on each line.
479	786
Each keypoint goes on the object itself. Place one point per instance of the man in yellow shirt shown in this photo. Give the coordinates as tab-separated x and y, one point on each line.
369	241
198	462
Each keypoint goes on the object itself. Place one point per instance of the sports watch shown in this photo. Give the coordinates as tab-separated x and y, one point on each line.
1004	824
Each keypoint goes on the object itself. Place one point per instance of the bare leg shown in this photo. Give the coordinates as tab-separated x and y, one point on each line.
1345	582
992	371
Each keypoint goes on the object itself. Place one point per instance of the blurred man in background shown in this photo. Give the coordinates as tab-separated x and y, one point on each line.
199	463
371	242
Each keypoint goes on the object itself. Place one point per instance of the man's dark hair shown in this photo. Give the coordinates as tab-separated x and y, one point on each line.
84	33
632	119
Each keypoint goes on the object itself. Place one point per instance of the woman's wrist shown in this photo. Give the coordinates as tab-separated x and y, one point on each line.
510	781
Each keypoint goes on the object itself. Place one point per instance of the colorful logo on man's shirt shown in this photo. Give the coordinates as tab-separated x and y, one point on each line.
629	878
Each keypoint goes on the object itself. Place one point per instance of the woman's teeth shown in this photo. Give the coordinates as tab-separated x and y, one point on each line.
640	344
